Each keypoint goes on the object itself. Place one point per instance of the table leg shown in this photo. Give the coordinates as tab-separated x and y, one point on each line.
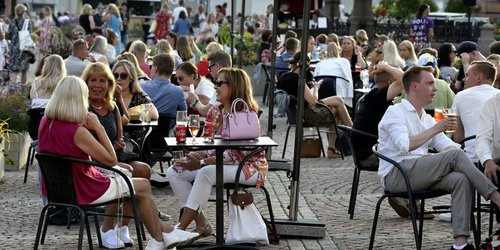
219	195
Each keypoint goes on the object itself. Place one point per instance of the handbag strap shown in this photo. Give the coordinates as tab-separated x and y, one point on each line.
233	105
25	24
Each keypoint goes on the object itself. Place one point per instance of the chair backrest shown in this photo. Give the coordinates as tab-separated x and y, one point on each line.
35	117
164	128
329	86
348	131
291	109
57	177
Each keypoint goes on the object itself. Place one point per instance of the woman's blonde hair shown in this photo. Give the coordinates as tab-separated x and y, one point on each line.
86	9
69	102
113	9
134	86
212	47
184	49
391	54
132	59
164	7
332	50
241	87
163	46
53	71
101	69
409	46
20	9
138	47
48	10
211	17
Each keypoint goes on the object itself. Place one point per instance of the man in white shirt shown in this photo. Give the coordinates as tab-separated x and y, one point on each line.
79	58
406	133
478	89
178	9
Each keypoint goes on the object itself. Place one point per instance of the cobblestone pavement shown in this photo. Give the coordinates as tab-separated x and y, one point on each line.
325	186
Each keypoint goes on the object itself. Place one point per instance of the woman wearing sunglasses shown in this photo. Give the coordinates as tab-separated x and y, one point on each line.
187	74
192	178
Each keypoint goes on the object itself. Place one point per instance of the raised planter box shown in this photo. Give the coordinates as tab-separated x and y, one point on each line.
18	150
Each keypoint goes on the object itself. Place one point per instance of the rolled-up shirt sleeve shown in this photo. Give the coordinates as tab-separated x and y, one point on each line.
484	131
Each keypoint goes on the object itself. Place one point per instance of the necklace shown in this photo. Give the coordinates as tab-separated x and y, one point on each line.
96	108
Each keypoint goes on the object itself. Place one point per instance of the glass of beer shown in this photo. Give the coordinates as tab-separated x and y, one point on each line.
450	113
438	114
194	126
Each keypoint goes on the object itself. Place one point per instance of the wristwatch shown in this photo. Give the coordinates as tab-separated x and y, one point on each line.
202	163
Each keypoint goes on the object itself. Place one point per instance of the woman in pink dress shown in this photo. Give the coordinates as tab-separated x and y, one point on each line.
45	25
65	130
162	23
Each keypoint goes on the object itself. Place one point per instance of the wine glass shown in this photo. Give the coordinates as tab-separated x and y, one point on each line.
194	126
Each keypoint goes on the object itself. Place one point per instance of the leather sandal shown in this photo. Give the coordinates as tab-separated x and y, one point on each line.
205	231
333	153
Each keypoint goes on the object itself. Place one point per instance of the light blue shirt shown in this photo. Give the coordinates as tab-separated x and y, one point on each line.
167	97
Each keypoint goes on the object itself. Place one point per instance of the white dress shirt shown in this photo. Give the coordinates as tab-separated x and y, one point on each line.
488	131
468	104
399	122
205	87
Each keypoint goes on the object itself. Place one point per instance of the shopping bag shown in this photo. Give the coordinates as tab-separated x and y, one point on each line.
25	41
246	225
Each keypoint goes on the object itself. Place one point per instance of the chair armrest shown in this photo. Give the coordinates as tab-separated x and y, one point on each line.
468	138
356	131
395	164
242	163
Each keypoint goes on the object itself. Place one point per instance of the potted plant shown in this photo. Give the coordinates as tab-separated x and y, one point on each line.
496	32
13	130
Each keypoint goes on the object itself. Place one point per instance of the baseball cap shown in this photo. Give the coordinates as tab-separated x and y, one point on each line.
427	60
467	47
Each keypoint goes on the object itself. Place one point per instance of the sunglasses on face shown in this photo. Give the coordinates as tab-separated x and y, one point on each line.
218	82
122	76
210	67
180	78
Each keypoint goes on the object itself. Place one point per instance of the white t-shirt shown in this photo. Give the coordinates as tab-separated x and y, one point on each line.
205	87
468	104
177	11
214	28
339	67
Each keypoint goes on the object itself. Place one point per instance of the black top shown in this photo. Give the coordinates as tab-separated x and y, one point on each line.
354	60
98	23
85	23
369	112
108	122
289	82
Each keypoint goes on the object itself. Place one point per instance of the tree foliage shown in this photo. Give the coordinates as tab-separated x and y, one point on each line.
456	6
402	9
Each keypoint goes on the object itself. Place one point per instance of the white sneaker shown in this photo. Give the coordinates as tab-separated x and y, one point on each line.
124	235
158	181
177	236
155	245
110	240
446	217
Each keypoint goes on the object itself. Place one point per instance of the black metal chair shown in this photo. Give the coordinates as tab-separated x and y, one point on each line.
412	196
58	179
157	139
358	167
487	208
291	112
267	73
35	117
329	86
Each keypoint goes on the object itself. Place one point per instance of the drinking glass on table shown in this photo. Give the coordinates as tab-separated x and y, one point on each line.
194	126
450	113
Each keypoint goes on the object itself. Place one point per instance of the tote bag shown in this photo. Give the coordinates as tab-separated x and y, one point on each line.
246	225
25	41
